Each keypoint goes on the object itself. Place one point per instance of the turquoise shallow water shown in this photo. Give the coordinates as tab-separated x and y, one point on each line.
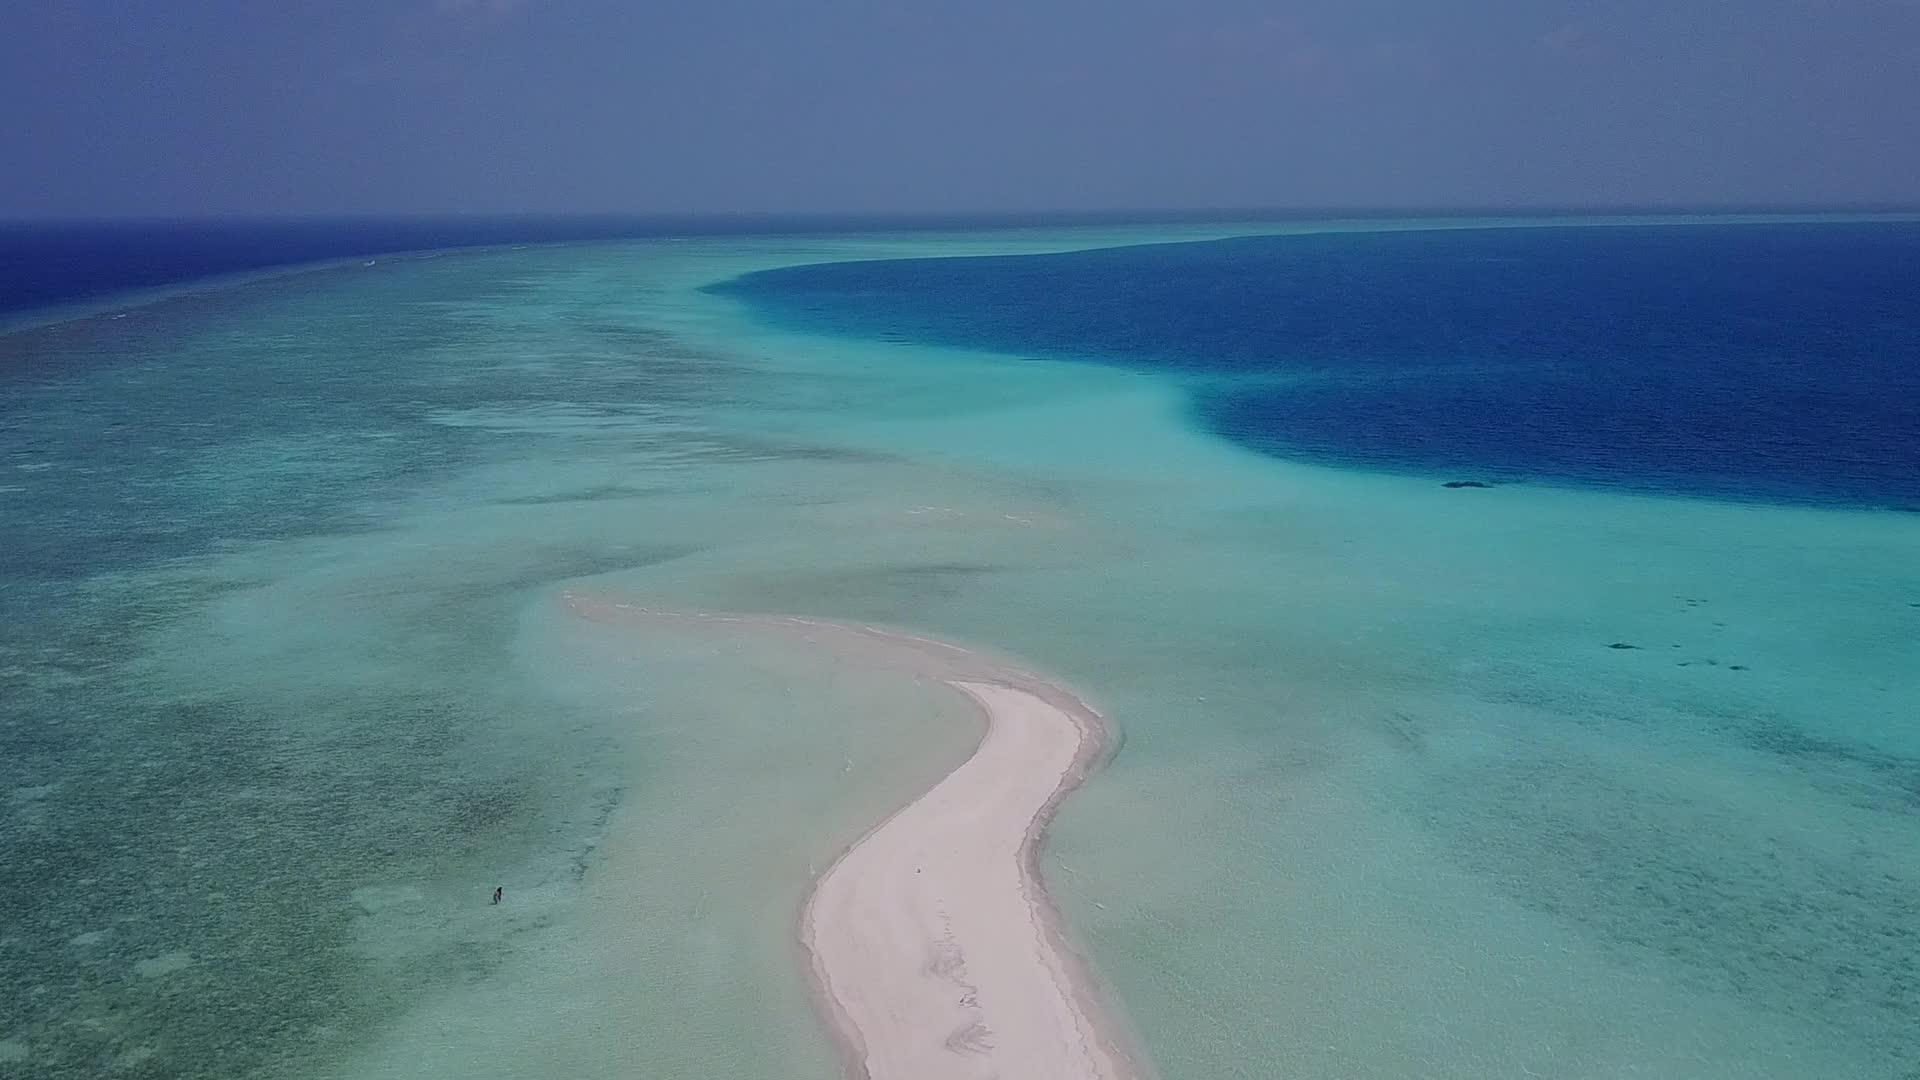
286	692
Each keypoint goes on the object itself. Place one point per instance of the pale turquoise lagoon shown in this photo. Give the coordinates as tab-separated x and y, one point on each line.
286	691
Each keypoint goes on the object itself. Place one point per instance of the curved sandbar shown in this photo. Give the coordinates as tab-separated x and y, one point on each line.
934	949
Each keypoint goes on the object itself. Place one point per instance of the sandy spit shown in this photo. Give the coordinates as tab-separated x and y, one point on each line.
934	951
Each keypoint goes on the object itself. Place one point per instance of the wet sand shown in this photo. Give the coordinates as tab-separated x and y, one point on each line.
933	948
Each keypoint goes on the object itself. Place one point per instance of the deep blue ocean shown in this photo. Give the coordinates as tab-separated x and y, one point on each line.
1770	361
58	262
42	264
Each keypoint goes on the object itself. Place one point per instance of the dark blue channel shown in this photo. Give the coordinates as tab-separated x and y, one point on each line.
1778	362
44	263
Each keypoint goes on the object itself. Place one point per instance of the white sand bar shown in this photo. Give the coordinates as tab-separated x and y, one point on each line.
931	935
934	948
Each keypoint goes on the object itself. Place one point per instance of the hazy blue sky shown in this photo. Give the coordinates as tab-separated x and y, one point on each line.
219	106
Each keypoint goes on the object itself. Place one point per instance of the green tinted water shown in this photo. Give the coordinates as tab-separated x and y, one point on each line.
287	692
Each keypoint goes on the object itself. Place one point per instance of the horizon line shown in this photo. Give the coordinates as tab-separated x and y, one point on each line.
1219	213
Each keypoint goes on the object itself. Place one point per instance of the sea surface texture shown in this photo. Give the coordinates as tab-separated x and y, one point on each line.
1764	360
1609	769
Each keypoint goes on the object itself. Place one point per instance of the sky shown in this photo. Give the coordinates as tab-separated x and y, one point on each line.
237	107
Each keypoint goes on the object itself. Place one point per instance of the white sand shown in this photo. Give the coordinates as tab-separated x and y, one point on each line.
932	942
932	937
